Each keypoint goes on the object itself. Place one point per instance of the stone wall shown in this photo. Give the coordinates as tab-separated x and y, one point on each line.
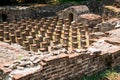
72	66
18	12
108	25
73	12
90	19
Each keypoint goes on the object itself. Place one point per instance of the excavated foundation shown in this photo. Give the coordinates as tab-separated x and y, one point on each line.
55	48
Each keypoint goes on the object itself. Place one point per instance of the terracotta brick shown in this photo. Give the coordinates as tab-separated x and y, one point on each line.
43	63
73	55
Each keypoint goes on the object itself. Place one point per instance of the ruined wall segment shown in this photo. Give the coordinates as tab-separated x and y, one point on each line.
20	12
75	11
111	12
90	19
100	55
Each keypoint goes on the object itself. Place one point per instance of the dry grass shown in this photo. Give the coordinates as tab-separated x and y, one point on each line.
113	76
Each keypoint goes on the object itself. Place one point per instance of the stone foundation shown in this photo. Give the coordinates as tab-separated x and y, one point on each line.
78	63
61	62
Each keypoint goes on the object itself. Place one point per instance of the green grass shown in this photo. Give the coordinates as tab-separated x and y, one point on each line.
112	74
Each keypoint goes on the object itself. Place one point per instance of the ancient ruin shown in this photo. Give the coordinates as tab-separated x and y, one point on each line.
70	42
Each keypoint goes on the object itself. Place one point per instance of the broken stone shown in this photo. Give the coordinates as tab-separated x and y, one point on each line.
20	68
94	50
6	65
36	61
23	64
13	66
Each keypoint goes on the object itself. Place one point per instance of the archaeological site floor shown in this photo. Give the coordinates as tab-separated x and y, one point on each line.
56	47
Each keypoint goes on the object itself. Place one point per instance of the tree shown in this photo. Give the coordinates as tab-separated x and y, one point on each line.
4	2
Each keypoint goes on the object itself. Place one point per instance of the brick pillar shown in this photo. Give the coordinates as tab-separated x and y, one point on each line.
33	34
11	30
6	35
91	38
7	41
66	21
83	43
42	31
1	26
47	38
74	33
30	27
23	35
45	45
83	37
75	44
24	25
49	33
27	31
33	24
30	39
12	38
67	27
17	33
35	28
1	38
39	26
74	38
43	19
1	32
65	40
51	27
20	41
21	29
33	47
6	28
57	36
37	42
28	22
55	43
81	27
27	45
59	27
5	23
19	23
86	27
44	27
66	34
40	38
43	49
65	46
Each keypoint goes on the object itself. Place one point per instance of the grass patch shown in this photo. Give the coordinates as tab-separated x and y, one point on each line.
113	74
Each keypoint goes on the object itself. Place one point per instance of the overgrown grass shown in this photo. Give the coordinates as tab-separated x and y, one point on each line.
113	74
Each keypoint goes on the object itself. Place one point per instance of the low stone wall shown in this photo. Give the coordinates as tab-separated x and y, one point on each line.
70	67
108	25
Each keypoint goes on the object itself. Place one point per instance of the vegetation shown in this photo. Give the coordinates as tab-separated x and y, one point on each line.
9	2
105	75
4	2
